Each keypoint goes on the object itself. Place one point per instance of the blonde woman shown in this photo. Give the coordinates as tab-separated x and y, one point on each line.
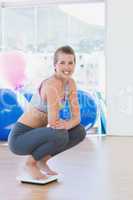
39	132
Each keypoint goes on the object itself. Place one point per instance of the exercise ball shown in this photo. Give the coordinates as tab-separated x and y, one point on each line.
10	111
88	109
13	68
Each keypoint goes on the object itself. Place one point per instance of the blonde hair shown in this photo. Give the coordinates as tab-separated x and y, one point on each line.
66	50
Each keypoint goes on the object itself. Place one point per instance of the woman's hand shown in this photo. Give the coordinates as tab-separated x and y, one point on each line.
61	124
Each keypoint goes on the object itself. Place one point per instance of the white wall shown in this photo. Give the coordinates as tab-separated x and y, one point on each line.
119	60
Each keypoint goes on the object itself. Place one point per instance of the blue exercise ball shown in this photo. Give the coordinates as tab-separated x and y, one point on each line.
28	96
10	111
88	109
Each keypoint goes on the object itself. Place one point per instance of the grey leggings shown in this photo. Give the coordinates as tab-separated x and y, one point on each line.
39	142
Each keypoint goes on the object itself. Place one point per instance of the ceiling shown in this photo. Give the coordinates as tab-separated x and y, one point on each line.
23	3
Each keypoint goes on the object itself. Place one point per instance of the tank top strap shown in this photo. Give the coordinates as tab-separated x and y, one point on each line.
40	86
67	88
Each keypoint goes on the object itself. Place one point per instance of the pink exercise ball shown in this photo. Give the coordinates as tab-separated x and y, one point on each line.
13	68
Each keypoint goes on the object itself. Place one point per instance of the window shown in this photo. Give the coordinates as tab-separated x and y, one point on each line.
19	29
38	31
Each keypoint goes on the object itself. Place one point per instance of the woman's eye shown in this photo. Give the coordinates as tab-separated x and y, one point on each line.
70	63
62	63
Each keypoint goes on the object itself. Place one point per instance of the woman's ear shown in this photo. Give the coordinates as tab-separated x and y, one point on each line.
55	68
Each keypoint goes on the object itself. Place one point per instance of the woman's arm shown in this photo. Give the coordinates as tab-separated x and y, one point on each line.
52	97
49	92
75	111
74	105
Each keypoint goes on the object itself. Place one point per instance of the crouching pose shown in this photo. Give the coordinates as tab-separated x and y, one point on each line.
39	132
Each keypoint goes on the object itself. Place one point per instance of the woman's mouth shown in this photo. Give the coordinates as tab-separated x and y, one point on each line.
67	72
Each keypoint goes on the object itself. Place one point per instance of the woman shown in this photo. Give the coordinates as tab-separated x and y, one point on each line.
39	132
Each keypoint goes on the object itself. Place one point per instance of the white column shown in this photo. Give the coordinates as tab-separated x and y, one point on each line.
119	60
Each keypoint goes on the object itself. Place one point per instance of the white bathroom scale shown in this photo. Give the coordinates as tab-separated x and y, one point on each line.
30	180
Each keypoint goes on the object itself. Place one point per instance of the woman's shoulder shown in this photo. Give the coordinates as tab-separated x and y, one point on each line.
49	85
54	83
48	82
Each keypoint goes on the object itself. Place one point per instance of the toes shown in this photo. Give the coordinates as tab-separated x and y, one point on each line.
52	173
43	177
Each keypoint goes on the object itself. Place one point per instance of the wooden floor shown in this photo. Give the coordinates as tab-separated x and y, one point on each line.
96	169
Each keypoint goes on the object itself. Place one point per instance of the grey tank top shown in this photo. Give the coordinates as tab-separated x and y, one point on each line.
41	105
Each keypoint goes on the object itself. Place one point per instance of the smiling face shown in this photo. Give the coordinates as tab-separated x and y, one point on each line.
65	65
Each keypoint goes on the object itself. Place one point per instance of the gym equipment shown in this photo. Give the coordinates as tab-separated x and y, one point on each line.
12	106
10	111
30	180
13	68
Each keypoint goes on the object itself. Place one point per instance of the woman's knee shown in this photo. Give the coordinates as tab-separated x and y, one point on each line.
81	132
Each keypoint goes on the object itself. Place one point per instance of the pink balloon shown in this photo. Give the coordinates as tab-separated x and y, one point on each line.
13	66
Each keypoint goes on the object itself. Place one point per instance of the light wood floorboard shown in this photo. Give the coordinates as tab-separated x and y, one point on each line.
96	169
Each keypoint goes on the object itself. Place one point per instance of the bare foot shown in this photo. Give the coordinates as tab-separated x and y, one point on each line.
34	171
46	169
